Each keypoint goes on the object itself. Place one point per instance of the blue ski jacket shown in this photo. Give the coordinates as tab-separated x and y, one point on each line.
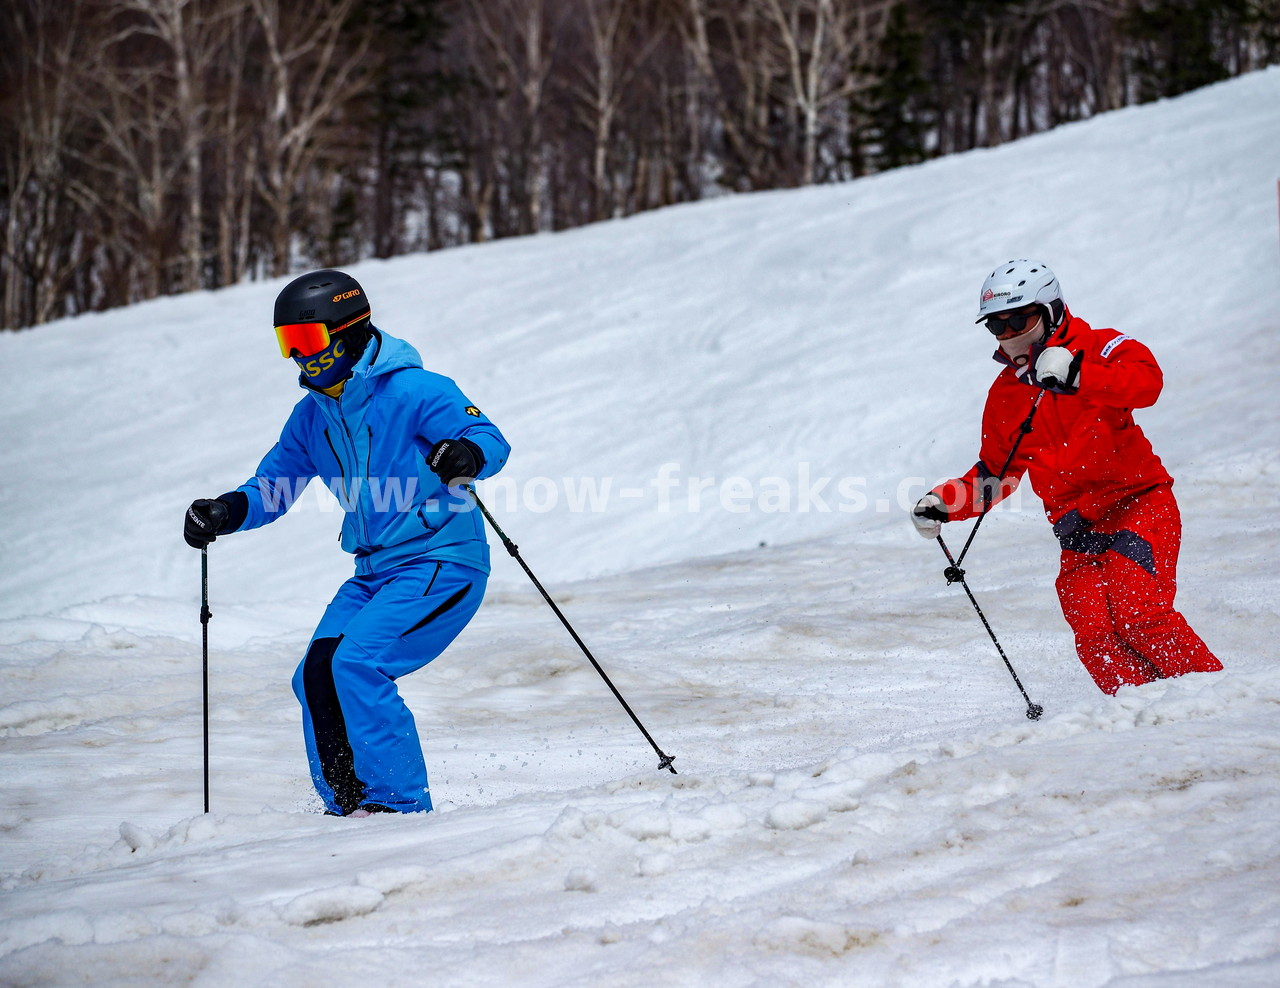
370	446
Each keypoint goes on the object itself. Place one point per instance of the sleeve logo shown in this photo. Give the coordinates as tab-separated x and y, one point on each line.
472	410
1106	350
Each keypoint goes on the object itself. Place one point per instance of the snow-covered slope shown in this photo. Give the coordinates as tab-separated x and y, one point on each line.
860	799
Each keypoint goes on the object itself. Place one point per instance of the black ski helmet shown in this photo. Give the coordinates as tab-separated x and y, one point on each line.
331	297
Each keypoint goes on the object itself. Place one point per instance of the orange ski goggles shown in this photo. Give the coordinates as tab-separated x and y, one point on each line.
309	337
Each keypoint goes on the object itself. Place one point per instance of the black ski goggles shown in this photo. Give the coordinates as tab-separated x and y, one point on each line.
1017	320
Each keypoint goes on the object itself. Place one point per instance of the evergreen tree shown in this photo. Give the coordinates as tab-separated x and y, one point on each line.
895	107
397	133
1178	43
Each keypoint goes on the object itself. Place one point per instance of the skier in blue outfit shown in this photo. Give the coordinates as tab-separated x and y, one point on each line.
393	441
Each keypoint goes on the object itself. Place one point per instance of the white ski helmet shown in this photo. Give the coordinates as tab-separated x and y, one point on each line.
1016	284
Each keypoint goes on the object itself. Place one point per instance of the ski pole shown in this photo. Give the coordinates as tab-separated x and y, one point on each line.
204	627
955	574
988	502
664	760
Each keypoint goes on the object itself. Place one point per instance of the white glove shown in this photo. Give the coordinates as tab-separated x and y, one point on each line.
928	516
1057	369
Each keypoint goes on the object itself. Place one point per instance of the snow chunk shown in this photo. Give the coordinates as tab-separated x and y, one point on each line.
796	814
70	926
838	797
724	818
649	823
610	933
656	822
389	880
136	838
572	823
580	880
653	865
331	905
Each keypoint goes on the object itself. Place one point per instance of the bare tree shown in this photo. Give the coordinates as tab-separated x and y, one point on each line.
737	76
822	42
150	146
514	58
193	33
313	67
133	178
235	152
38	258
619	37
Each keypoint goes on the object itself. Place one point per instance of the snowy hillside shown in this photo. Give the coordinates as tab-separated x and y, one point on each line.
719	415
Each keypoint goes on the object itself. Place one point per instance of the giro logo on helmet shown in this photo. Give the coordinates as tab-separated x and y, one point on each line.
339	298
988	295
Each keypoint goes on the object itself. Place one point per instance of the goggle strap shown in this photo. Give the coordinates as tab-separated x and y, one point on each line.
363	315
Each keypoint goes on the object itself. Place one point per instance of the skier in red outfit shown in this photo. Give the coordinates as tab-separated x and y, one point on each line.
1107	494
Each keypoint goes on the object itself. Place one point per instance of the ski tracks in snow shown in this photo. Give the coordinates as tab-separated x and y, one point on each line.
903	859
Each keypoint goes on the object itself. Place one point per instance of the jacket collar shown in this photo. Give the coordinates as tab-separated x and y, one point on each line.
357	388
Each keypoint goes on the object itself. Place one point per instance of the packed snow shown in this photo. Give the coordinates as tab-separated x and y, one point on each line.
720	414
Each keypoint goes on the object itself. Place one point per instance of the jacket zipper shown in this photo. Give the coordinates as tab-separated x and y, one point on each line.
351	487
361	520
368	452
334	450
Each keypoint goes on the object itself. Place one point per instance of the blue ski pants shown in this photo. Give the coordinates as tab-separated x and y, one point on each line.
361	739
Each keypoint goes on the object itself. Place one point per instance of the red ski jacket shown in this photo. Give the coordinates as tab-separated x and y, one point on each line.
1084	451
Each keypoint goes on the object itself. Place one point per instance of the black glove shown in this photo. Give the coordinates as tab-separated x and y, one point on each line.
205	521
455	461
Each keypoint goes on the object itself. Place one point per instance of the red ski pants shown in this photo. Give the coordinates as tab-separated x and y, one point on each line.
1116	586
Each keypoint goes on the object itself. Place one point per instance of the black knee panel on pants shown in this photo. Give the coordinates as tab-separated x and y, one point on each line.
337	761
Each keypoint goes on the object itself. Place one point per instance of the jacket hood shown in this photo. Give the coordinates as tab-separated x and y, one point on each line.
385	355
